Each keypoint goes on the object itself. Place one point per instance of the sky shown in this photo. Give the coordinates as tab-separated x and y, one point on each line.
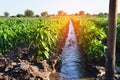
53	6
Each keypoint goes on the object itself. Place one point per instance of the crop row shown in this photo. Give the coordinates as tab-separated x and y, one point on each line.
103	23
42	33
90	38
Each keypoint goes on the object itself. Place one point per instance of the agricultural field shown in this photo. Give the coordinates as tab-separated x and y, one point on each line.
103	23
60	40
41	34
92	37
45	39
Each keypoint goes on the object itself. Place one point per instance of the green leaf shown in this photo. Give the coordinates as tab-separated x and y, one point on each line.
46	54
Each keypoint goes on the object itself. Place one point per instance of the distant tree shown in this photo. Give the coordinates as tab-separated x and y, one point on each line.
94	15
60	13
29	13
6	14
44	14
12	16
81	13
105	14
76	14
88	14
71	14
64	14
37	15
19	15
118	14
52	15
101	14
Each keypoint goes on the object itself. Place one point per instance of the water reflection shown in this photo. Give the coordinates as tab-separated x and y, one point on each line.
71	68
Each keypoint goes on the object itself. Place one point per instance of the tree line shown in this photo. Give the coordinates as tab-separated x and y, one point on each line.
30	13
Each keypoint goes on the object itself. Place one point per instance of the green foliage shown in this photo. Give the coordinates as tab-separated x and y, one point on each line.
118	62
19	15
37	16
103	23
14	32
118	35
96	50
41	33
90	38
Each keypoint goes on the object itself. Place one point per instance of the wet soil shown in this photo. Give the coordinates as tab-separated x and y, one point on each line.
19	63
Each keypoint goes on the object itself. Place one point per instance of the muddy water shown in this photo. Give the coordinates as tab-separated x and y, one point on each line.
71	67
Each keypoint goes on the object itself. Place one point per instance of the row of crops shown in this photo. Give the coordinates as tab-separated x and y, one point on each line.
103	23
92	36
42	33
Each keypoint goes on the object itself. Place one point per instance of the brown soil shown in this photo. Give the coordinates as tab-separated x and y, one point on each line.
20	63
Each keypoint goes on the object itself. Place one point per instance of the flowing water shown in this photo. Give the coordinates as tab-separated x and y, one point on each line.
72	60
71	67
